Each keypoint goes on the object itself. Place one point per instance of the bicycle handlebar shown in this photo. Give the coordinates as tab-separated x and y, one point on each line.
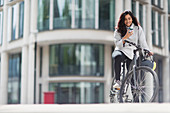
138	47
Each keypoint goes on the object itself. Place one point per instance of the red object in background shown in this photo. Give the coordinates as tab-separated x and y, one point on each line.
49	97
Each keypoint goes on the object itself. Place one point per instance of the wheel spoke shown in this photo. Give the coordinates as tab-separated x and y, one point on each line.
145	89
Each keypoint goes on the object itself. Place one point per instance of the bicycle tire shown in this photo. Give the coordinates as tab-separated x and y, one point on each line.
139	89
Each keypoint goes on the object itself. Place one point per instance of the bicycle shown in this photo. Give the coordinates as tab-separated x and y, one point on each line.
140	83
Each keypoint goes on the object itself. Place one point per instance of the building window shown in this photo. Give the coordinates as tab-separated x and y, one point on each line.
0	69
160	94
62	14
43	15
107	14
159	3
14	79
1	27
153	2
169	6
153	28
1	2
40	93
41	60
159	30
85	14
141	14
78	93
21	19
134	7
82	16
14	22
169	32
76	59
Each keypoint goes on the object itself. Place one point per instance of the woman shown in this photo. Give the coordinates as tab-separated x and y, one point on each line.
128	29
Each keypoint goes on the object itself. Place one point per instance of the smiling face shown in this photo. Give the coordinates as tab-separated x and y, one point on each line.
128	20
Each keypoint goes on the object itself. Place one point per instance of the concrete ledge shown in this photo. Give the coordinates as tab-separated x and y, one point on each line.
87	108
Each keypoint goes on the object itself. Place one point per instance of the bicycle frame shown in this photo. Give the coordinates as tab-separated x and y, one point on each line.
135	65
131	80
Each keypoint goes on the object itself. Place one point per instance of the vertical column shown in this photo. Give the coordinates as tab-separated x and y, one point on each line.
4	60
45	69
24	75
24	71
148	25
144	18
118	9
108	72
148	32
4	78
166	77
32	40
31	74
137	10
128	5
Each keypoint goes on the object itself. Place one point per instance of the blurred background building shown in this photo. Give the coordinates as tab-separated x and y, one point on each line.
65	46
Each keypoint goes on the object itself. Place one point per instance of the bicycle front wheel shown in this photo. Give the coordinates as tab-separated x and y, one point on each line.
142	88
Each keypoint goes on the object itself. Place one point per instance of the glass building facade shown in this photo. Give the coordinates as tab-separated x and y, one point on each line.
16	21
62	14
82	16
14	79
21	19
43	15
169	31
153	28
78	93
107	14
76	59
1	27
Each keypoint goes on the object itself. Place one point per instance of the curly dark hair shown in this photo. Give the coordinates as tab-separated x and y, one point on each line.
121	28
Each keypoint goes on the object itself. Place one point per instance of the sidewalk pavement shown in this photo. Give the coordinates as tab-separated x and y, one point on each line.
87	108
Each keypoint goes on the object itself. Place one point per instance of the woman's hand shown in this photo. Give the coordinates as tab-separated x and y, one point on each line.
150	53
128	34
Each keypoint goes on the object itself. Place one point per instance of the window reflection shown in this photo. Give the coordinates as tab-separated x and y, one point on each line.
14	79
169	6
1	27
1	2
76	93
159	30
134	7
77	59
62	14
21	19
153	28
169	32
14	21
107	14
85	14
141	14
77	14
43	15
